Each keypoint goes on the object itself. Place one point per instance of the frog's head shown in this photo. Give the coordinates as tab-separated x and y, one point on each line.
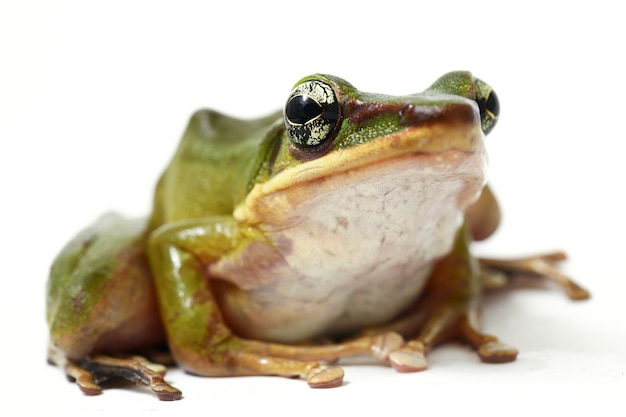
332	130
324	113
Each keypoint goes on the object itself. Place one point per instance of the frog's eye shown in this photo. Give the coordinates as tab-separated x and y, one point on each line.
312	114
488	104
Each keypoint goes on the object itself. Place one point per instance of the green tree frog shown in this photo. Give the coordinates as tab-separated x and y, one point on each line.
339	226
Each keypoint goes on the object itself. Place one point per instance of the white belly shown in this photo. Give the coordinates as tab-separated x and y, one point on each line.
352	256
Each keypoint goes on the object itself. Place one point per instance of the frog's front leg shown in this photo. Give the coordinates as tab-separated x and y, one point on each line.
198	335
450	308
454	296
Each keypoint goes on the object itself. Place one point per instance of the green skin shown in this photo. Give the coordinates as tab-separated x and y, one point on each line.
125	285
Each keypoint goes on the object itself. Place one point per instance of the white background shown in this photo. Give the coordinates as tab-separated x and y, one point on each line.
95	95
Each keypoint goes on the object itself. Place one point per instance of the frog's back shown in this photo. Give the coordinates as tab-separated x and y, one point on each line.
211	170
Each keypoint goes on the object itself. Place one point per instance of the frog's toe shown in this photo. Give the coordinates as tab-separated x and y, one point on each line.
489	348
410	358
383	344
541	266
575	292
325	377
83	378
135	369
496	352
88	372
402	356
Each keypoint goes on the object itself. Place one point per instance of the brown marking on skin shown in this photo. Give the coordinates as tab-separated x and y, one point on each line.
140	325
410	114
342	221
256	265
450	114
78	301
284	245
201	297
361	111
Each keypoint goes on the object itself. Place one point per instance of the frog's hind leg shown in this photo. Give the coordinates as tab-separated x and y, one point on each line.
89	372
101	300
541	266
489	348
451	304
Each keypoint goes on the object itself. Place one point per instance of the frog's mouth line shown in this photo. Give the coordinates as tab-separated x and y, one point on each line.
431	139
436	150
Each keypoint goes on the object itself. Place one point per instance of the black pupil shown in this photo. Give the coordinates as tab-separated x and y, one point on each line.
302	109
493	104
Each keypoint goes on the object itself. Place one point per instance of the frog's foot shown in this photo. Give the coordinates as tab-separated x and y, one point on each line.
410	358
89	372
542	265
436	320
449	321
488	347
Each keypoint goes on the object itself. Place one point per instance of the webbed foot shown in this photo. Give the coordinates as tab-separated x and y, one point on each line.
450	320
89	372
540	265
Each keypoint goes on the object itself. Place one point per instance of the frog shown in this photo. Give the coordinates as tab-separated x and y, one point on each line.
338	226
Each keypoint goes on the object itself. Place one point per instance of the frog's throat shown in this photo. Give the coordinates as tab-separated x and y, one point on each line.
427	141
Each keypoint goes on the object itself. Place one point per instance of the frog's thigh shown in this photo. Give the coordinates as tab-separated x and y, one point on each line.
100	294
101	299
483	217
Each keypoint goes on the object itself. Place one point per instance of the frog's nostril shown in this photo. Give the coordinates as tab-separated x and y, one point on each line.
407	108
405	113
